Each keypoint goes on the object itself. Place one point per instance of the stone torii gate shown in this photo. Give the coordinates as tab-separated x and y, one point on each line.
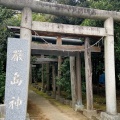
108	32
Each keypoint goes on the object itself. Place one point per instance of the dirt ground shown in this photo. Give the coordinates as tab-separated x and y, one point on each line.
35	112
40	108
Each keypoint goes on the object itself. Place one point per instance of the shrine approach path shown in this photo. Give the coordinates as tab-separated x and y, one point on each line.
39	108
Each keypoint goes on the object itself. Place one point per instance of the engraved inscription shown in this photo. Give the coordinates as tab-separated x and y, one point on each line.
17	55
15	103
16	79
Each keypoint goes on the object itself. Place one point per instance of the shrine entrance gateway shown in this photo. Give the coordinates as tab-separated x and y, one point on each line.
56	9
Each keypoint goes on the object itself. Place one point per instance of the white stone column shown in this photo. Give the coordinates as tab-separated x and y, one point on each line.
110	68
111	108
110	85
73	81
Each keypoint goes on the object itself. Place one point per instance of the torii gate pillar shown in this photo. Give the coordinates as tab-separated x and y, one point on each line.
53	81
111	108
89	112
48	78
59	42
73	81
79	106
26	22
42	77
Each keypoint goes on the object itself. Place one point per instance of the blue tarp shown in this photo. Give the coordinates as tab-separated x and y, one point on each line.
102	78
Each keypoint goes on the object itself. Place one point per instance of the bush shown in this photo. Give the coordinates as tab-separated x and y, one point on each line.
2	87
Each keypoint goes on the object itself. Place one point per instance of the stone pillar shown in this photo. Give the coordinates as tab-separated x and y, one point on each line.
25	30
111	108
47	78
59	42
42	76
73	81
53	81
25	33
88	75
79	106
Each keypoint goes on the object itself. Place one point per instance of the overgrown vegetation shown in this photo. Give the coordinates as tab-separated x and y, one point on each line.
5	14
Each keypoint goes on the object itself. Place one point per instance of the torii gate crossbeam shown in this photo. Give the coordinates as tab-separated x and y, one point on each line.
59	9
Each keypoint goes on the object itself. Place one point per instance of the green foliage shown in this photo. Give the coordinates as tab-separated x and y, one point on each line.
5	14
14	20
2	82
41	17
105	4
65	19
64	81
67	2
2	86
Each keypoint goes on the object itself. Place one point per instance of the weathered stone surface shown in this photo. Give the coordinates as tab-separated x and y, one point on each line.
17	75
89	113
58	9
2	109
2	113
105	116
110	79
71	30
79	107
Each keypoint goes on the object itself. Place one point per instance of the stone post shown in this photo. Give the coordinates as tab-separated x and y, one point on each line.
73	81
88	74
111	108
79	106
25	33
42	76
53	81
59	42
47	78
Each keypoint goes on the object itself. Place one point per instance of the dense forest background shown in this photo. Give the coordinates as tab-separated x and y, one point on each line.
10	17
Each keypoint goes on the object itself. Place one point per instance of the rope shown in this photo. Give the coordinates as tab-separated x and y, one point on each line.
94	43
63	50
35	34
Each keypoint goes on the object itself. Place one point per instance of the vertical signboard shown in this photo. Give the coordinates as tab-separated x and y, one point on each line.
17	75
